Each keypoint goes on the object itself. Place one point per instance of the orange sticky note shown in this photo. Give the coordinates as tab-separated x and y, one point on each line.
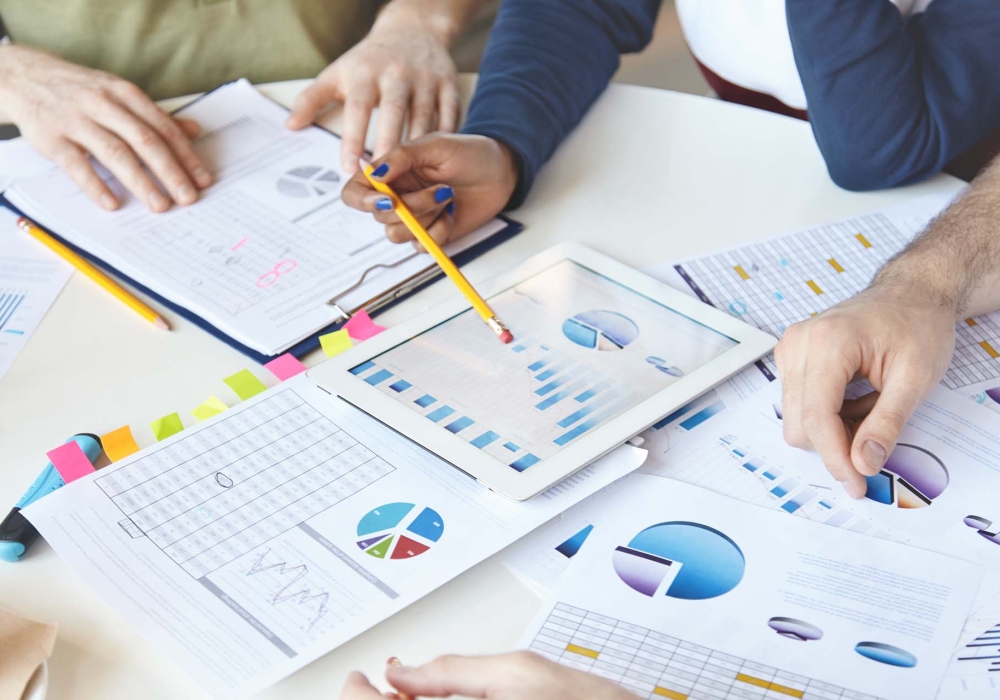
336	342
213	406
166	426
119	444
362	327
285	367
245	384
70	461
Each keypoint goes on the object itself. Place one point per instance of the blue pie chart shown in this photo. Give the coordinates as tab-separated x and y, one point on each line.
886	654
600	330
699	561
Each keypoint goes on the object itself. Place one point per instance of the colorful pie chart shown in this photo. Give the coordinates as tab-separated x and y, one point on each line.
911	478
600	330
399	531
886	654
682	560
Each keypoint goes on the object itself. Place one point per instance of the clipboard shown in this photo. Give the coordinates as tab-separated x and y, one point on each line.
384	300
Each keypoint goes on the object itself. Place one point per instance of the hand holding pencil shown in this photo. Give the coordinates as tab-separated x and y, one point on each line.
443	195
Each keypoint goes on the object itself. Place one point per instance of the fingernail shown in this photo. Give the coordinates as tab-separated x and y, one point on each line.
109	202
202	177
384	204
158	202
450	209
443	194
874	454
381	170
186	194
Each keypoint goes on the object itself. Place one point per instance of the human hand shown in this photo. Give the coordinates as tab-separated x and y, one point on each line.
68	113
402	67
518	676
898	336
452	183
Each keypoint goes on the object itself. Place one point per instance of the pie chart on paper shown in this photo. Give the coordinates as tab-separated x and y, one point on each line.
308	181
399	531
911	478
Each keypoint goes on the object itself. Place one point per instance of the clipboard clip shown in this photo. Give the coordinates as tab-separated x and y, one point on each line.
334	301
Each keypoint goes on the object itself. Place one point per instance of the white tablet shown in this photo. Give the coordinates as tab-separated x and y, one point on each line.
600	353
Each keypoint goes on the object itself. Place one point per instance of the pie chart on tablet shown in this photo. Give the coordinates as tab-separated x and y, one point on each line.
682	560
399	531
600	330
911	478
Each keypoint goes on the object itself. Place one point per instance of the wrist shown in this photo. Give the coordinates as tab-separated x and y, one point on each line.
442	19
914	280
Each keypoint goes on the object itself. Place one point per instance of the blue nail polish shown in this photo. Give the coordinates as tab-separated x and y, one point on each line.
381	170
384	204
443	194
450	209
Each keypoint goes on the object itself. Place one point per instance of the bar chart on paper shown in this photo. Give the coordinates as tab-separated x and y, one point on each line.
654	665
791	278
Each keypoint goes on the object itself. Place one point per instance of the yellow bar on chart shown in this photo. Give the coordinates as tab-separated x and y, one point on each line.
835	265
989	349
667	693
752	680
864	241
741	272
813	286
970	321
582	651
785	690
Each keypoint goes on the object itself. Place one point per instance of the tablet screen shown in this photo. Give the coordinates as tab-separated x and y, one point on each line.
585	350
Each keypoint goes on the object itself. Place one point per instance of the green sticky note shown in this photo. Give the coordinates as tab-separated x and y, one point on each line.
336	342
213	406
245	384
166	426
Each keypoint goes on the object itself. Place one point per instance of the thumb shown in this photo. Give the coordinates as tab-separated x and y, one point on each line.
448	675
877	435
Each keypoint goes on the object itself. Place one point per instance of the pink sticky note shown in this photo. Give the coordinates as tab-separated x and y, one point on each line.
362	327
285	367
70	461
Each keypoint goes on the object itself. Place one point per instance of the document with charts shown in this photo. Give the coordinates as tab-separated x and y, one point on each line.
259	540
268	244
790	278
683	593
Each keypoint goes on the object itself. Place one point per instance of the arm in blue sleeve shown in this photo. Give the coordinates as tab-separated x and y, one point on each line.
893	100
545	64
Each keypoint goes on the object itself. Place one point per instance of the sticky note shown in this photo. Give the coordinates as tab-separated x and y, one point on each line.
70	461
285	367
119	444
336	342
213	406
362	327
166	426
245	384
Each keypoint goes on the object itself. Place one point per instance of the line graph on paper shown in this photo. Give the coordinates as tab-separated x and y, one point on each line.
222	492
791	278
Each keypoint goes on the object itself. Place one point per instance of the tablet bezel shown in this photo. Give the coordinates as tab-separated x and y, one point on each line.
334	375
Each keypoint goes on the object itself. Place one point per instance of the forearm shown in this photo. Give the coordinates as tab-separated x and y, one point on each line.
956	262
445	18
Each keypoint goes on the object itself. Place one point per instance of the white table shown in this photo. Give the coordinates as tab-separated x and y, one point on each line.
649	176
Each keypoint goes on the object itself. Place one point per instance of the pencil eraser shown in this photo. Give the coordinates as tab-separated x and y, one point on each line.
507	337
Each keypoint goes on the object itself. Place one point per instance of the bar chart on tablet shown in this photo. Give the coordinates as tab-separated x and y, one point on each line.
788	279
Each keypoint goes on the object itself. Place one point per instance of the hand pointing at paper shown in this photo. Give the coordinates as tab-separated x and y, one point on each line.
899	334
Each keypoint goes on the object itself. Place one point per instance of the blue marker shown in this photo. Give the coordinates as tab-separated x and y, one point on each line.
16	533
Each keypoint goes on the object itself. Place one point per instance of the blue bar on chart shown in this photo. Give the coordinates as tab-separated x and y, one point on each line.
772	475
593	391
784	488
487	438
588	409
703	415
839	518
799	500
538	364
459	425
588	424
424	401
401	385
752	465
686	408
362	368
552	371
528	460
512	447
570	547
555	398
440	414
561	380
378	377
8	305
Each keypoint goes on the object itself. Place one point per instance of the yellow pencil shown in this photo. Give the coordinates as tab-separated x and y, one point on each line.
442	259
93	273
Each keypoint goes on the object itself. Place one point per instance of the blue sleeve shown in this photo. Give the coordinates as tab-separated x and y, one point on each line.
893	100
545	64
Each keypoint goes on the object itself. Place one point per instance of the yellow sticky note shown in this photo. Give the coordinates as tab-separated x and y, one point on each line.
166	426
245	384
213	406
119	444
336	342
